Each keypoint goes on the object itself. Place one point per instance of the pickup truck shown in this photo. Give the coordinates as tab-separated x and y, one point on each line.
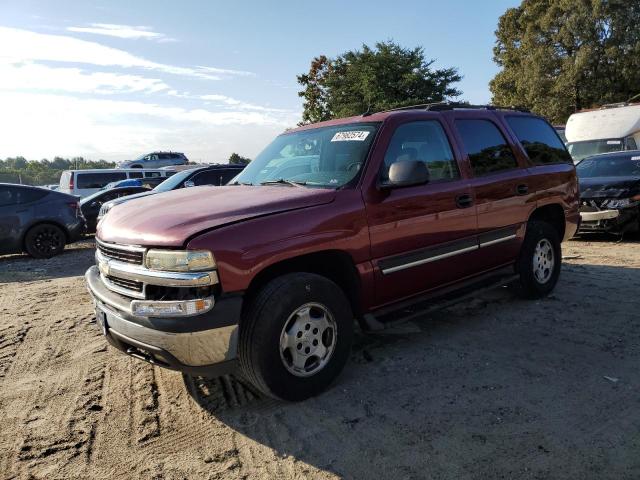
344	221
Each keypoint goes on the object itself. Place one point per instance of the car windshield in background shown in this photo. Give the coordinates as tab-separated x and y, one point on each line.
580	150
173	181
616	166
328	157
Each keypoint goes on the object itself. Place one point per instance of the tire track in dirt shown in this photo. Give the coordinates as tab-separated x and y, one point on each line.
78	436
11	338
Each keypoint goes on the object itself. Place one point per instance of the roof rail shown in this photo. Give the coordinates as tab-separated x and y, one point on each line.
443	106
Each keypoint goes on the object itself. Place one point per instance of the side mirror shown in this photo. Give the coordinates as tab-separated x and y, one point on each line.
408	173
189	183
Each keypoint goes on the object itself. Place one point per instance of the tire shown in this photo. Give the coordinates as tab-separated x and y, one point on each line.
44	241
277	312
539	261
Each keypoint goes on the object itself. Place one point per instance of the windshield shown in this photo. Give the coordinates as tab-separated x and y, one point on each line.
580	150
173	181
328	157
615	166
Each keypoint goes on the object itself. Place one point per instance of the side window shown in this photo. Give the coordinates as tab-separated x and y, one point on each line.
539	140
151	174
212	177
29	195
8	196
98	180
486	146
135	174
426	142
631	143
227	175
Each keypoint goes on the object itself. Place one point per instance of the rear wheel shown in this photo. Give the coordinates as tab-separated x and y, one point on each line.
44	241
539	261
296	336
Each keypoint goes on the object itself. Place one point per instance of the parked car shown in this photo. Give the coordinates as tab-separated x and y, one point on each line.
156	160
206	175
364	217
37	220
611	128
129	182
86	182
90	205
610	192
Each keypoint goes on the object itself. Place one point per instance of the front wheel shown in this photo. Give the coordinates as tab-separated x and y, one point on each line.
295	336
540	260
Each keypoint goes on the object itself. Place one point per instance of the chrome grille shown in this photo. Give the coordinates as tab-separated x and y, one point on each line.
122	254
125	283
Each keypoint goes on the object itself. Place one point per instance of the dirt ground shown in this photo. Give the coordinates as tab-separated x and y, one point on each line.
494	387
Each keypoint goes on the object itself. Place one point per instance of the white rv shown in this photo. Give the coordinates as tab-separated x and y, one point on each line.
611	128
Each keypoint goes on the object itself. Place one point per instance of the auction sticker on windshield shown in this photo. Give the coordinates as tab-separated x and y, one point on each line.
351	136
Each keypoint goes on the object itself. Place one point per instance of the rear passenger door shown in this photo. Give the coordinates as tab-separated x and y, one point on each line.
500	180
423	236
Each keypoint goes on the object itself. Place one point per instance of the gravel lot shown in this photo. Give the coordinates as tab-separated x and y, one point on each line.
494	387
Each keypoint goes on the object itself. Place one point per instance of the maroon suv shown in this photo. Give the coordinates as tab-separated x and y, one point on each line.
348	219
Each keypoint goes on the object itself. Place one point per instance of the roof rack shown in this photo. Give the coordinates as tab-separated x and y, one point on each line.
444	106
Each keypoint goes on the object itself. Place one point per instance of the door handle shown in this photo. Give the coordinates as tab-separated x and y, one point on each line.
522	189
464	201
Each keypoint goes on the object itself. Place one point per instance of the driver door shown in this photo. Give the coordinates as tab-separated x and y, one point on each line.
422	236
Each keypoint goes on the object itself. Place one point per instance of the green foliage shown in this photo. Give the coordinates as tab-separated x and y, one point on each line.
373	79
44	172
234	158
560	56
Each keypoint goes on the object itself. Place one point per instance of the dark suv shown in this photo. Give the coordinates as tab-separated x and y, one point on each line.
208	175
360	218
37	220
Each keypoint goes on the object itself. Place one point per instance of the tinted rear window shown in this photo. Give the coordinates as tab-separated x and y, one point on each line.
487	148
98	179
539	140
29	195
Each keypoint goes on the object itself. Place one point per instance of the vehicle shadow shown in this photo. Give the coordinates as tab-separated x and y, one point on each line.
73	261
486	388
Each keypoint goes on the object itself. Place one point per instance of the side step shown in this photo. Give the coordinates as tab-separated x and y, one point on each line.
388	317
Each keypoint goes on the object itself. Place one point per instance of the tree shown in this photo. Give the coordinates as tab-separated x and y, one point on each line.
373	79
234	158
560	56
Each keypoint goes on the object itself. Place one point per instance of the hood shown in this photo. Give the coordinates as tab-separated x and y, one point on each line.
170	218
609	187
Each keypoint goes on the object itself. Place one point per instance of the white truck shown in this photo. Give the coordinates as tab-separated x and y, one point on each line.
610	128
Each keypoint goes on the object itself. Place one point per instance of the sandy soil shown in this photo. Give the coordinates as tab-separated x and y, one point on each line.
494	387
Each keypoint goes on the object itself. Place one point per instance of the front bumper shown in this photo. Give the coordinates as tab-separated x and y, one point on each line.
614	221
204	344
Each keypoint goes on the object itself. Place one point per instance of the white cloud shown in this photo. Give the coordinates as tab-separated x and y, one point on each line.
18	45
122	31
227	71
29	76
44	125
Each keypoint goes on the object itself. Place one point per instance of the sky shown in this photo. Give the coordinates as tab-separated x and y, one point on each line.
115	79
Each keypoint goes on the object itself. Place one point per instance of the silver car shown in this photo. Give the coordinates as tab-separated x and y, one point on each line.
156	160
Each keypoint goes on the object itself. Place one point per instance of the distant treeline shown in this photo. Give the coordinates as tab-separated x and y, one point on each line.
44	172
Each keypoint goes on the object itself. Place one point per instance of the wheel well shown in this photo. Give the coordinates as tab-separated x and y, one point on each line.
335	265
553	215
61	227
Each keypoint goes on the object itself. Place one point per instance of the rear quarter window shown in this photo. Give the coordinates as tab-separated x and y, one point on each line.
98	179
30	195
539	140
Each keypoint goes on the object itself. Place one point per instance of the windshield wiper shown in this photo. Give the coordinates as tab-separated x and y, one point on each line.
240	183
282	181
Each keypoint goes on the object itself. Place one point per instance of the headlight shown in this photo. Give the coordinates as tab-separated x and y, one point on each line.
180	260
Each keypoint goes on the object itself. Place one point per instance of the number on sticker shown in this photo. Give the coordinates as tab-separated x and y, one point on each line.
350	136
